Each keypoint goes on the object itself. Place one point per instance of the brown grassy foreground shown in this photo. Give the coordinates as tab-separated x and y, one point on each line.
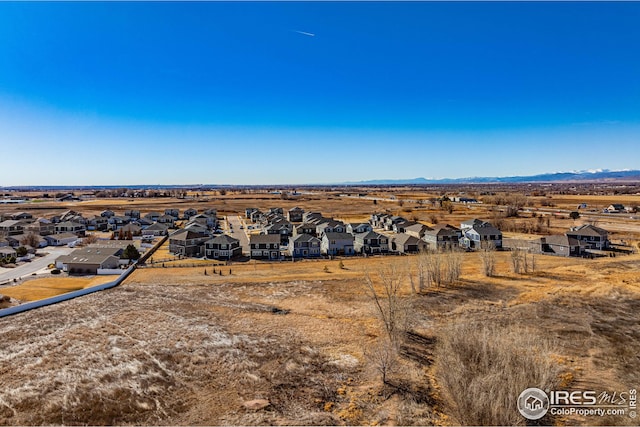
173	346
36	289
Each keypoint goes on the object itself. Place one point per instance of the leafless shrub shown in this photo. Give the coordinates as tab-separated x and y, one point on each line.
390	307
438	268
488	257
30	240
522	261
383	356
453	265
482	370
516	260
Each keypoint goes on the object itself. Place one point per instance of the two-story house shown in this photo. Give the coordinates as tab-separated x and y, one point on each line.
594	237
222	247
335	243
265	246
304	246
358	228
371	243
175	213
132	213
41	226
442	236
477	234
70	227
187	243
295	214
12	226
407	244
188	213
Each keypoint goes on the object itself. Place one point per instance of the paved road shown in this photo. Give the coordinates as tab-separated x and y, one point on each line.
234	222
37	264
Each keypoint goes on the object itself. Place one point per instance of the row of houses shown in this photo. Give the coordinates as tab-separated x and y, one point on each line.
317	235
581	240
70	226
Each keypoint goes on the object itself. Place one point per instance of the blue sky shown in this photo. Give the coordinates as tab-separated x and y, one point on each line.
234	93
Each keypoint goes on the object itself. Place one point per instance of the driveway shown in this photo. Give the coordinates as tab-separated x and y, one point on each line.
36	265
234	222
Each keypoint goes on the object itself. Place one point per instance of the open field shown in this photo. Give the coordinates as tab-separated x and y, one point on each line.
173	346
36	289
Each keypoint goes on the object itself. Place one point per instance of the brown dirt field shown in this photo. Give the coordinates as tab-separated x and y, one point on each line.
36	289
174	347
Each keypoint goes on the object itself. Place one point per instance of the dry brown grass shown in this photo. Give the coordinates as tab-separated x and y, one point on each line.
37	289
172	346
482	368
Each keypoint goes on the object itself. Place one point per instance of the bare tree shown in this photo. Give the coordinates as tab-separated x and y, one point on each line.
383	355
439	268
453	263
89	239
391	308
516	260
30	239
488	257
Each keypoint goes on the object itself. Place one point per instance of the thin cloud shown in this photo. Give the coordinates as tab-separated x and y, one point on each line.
304	33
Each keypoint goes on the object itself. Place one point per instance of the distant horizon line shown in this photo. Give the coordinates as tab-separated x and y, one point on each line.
582	175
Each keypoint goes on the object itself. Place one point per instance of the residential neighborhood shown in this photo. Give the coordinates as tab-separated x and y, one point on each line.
278	234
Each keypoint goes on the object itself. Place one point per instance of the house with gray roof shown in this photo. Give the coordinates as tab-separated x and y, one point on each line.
70	227
304	228
406	244
442	236
175	213
21	215
12	226
168	220
401	227
153	216
187	243
304	246
295	214
132	213
89	260
371	243
416	230
7	252
330	226
377	219
188	213
155	230
265	246
97	222
222	247
61	239
562	245
283	228
360	227
477	234
335	243
594	237
207	220
41	226
389	221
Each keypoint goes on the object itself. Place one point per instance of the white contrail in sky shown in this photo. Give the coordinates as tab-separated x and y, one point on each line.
305	33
